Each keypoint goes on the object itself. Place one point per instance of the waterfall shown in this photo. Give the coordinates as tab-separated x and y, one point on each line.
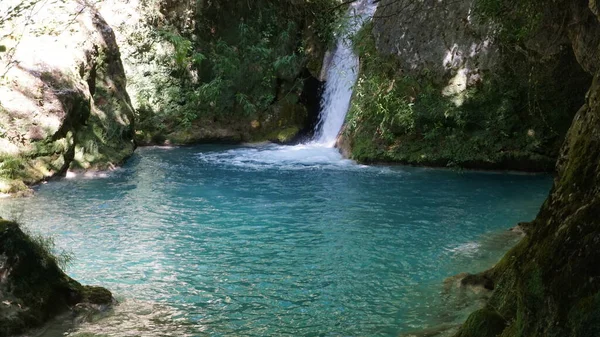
342	72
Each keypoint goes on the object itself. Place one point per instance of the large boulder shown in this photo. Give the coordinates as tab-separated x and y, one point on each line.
444	83
63	102
33	289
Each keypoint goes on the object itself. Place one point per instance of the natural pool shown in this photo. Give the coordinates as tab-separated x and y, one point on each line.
276	241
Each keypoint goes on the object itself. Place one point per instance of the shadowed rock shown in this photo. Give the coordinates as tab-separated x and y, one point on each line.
33	289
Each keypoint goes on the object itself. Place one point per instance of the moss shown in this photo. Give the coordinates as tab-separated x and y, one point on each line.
483	323
11	167
504	121
580	171
98	129
35	287
548	285
585	315
10	186
96	295
287	134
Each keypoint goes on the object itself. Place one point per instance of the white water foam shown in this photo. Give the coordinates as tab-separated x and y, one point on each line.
469	248
298	157
342	73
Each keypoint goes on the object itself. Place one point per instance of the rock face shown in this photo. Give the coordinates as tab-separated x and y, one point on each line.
549	284
441	36
193	75
443	85
33	289
63	102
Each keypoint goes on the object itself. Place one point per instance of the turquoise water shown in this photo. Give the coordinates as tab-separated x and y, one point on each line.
276	241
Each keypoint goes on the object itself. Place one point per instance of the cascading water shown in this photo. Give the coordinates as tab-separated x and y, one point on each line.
342	73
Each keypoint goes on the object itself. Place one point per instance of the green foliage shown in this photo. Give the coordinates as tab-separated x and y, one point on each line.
240	60
11	167
503	118
43	247
516	20
46	248
183	54
17	10
15	17
36	289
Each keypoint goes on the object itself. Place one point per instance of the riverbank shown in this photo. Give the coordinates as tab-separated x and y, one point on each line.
33	288
484	167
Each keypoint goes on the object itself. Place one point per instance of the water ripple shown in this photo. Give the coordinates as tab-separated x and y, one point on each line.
257	241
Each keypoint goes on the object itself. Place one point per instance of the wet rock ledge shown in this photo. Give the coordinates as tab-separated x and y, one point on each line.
33	288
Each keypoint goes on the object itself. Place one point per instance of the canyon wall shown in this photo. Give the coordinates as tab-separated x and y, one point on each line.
443	83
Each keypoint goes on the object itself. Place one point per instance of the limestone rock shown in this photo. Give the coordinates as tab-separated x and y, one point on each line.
440	36
63	102
442	84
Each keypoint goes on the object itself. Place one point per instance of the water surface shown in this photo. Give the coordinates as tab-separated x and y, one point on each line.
277	241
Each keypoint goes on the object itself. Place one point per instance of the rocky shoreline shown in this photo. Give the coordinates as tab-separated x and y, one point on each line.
34	289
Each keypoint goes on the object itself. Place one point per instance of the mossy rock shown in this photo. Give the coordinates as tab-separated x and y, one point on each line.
547	285
407	116
97	295
284	136
34	288
483	323
10	186
478	280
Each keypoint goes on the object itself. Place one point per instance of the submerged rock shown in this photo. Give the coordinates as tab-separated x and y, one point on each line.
33	288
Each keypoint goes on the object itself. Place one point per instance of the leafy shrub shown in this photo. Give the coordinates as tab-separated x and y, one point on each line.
240	59
11	167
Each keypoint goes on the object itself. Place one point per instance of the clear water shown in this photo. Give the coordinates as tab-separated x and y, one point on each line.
276	241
